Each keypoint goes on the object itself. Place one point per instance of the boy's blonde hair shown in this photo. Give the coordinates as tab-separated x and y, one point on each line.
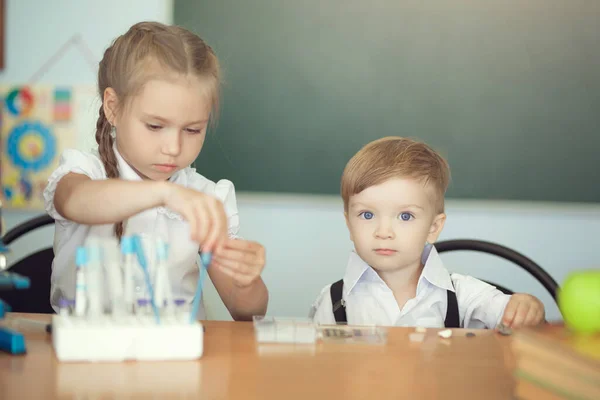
146	49
396	157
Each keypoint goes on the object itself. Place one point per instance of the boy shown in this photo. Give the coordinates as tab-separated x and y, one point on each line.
393	191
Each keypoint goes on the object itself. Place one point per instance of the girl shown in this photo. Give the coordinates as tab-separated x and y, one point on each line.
159	87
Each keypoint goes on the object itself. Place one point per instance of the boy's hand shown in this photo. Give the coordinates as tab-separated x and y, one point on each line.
240	259
523	310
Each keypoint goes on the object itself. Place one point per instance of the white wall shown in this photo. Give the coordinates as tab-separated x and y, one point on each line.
37	28
305	236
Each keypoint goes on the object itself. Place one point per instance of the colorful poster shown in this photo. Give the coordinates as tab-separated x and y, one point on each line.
36	125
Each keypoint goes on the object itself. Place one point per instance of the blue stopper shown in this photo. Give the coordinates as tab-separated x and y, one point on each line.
206	258
94	254
81	257
127	246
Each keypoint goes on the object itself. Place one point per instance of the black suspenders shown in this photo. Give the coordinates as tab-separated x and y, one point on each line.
452	318
339	306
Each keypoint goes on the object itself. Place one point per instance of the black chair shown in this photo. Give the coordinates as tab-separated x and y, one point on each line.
504	252
36	266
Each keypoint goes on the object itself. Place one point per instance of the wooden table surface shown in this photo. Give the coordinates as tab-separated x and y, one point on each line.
234	366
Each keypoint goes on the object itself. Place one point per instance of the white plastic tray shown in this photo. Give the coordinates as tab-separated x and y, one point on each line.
107	338
284	330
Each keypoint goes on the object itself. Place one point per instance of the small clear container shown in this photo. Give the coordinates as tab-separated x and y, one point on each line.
284	330
352	334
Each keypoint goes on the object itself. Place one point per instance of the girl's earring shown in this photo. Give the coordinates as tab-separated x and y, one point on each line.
113	131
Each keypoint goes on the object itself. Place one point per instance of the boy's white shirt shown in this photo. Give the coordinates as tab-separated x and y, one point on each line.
183	269
369	301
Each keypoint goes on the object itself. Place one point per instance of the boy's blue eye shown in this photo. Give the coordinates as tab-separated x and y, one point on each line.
406	216
366	215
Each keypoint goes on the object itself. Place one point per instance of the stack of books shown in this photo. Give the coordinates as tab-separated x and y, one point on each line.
553	363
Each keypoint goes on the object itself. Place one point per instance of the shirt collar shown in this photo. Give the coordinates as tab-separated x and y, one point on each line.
128	173
433	272
125	170
358	270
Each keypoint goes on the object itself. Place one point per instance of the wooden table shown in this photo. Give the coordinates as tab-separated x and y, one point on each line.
234	366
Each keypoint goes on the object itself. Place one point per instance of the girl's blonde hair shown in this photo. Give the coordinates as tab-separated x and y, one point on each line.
130	62
396	157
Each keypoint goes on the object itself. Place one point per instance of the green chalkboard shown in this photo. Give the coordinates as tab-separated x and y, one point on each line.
507	90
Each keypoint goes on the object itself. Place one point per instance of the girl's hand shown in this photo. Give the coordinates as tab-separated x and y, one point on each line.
242	260
204	213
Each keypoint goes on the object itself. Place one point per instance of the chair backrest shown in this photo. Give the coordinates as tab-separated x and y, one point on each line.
26	227
36	266
504	252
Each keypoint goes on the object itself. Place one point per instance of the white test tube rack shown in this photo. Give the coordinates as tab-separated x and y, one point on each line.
131	336
139	338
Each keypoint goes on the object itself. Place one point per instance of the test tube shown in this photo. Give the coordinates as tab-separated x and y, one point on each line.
142	308
71	303
63	307
94	278
80	286
128	270
182	309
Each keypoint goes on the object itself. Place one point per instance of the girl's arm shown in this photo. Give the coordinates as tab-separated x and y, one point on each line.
242	302
93	202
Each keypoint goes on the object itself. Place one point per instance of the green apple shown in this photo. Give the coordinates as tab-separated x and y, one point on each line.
579	301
